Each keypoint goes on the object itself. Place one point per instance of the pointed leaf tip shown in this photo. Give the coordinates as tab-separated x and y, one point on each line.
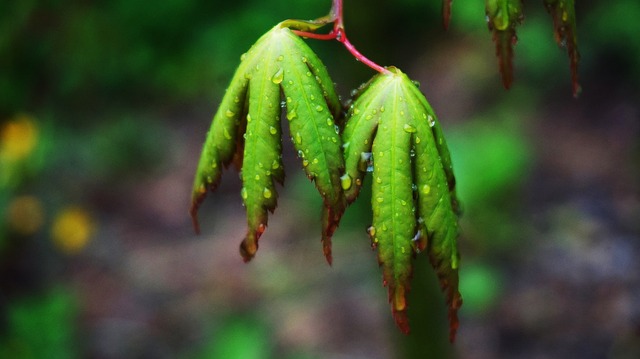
503	16
249	245
446	13
565	33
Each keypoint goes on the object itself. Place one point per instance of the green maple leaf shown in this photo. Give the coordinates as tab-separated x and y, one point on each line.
564	22
392	132
503	16
246	130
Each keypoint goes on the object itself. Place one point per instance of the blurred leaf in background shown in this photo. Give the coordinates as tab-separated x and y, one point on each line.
43	326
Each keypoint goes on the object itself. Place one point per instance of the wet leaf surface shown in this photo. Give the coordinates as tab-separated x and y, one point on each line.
392	132
246	130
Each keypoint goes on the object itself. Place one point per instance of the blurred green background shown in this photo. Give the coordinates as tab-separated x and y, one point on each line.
104	106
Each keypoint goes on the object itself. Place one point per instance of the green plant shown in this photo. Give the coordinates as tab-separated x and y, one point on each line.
389	130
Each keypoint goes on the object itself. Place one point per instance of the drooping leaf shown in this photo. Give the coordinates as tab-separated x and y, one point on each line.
446	12
246	130
503	16
392	132
564	22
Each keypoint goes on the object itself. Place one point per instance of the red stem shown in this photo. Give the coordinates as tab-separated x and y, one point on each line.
338	33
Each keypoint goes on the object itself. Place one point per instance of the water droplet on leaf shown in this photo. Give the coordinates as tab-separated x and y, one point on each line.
345	181
278	76
371	231
226	134
408	128
266	193
432	121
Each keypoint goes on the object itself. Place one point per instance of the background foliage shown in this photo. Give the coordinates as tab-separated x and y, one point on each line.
103	110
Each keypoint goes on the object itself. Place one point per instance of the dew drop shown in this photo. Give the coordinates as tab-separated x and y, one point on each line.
368	117
334	140
309	73
280	58
402	250
298	138
305	163
312	98
229	113
275	165
278	76
378	180
257	177
417	140
371	231
426	189
243	56
345	181
291	115
236	99
243	193
408	128
382	109
248	118
432	121
226	134
319	108
266	193
304	59
289	99
273	130
404	203
358	182
384	227
329	121
356	111
380	199
315	161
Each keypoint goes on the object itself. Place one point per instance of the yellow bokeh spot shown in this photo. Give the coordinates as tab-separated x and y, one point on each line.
18	138
72	229
25	215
